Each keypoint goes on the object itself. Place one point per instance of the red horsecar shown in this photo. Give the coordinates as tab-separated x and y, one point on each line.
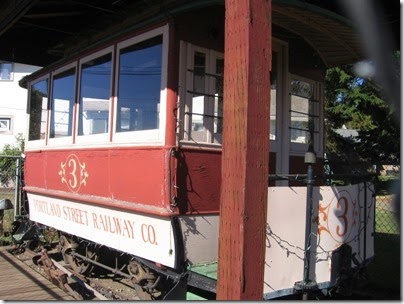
123	158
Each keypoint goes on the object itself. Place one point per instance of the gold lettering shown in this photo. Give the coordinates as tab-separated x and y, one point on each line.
113	225
95	222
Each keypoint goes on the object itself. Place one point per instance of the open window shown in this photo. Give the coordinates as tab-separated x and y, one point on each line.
202	86
305	127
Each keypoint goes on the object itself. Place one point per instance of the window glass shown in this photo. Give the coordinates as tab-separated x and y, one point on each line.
6	71
301	98
203	121
62	104
274	79
218	101
5	124
139	86
95	92
198	120
38	110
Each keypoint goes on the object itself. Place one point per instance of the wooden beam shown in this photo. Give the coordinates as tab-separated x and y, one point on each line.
13	12
245	155
313	21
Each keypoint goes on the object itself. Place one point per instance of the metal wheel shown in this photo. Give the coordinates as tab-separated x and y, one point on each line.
143	281
143	295
78	265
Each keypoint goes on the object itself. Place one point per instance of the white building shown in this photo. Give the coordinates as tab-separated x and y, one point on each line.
13	101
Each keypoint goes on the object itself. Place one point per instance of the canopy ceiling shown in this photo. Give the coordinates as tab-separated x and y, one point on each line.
40	32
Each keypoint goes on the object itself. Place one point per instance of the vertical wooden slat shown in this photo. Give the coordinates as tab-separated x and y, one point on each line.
245	150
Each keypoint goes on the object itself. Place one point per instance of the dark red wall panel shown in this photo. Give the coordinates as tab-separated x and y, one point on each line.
198	181
132	175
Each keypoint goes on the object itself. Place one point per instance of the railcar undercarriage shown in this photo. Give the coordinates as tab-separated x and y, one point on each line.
89	259
149	280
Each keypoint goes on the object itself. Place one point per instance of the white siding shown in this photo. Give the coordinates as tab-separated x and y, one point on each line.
13	104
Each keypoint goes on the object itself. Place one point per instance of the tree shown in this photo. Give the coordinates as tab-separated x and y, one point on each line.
359	104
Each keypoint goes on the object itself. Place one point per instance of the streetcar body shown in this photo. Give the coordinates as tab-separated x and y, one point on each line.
124	151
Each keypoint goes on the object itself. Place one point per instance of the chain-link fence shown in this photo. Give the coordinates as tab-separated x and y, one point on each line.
387	214
384	270
10	191
386	180
387	219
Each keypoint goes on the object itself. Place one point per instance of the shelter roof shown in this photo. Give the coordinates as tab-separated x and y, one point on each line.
40	32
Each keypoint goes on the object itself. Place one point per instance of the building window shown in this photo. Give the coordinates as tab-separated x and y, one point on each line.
5	124
6	71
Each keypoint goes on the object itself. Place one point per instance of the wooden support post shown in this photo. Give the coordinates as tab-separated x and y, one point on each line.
245	150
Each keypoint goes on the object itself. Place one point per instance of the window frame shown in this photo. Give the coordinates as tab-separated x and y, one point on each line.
281	48
36	143
9	128
187	51
134	138
299	149
101	137
67	140
143	137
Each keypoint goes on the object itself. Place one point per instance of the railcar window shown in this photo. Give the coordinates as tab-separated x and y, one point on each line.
304	112
300	96
218	101
62	104
274	76
38	110
139	86
95	92
198	120
203	110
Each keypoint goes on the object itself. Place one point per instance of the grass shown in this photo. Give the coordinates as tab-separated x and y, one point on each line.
387	204
386	222
385	270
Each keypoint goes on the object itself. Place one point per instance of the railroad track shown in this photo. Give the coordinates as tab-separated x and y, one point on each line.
50	264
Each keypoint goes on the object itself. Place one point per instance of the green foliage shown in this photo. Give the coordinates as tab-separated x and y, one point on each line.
16	149
5	240
8	164
360	104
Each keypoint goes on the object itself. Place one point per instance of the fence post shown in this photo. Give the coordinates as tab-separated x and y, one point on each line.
17	188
